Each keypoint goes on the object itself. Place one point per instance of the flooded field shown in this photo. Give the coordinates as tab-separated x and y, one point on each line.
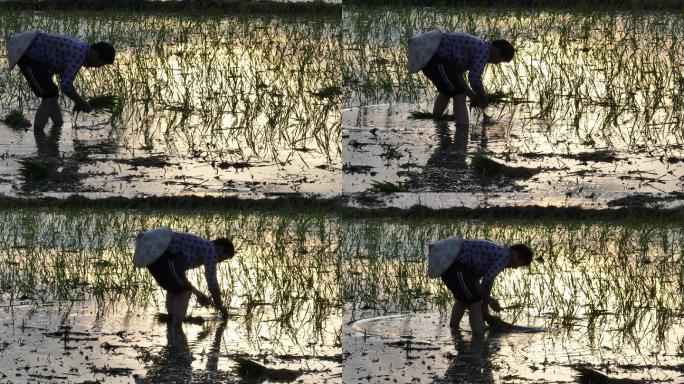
588	113
198	104
601	298
74	309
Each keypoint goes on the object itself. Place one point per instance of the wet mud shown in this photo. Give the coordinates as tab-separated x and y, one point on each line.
77	343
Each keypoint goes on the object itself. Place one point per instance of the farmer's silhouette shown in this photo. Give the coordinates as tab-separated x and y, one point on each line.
444	57
40	56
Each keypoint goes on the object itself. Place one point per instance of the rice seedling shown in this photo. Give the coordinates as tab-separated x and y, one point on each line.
497	324
16	119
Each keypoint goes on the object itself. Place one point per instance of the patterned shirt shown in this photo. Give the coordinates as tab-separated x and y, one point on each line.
466	53
191	251
485	258
63	55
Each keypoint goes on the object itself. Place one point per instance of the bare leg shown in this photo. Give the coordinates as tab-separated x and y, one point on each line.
42	115
456	314
441	104
180	306
461	110
476	318
176	337
48	109
170	300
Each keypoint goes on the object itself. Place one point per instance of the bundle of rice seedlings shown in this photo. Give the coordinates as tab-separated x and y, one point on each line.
485	166
37	170
587	375
252	370
386	187
16	119
34	170
424	115
497	324
109	103
166	318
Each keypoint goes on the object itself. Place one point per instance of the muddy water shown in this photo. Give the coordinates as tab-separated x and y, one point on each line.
76	342
421	347
432	160
103	166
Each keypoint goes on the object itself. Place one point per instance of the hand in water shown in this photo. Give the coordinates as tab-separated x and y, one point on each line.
203	300
82	107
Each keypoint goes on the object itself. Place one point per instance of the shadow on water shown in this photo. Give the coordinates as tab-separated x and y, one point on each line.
447	168
174	361
49	169
472	361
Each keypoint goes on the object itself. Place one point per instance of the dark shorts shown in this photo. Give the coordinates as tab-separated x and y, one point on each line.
444	77
168	274
463	284
39	77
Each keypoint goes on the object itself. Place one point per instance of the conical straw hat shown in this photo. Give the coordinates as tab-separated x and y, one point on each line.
17	46
422	48
151	245
442	254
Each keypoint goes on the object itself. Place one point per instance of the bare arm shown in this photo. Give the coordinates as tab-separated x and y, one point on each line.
214	290
480	95
475	76
67	84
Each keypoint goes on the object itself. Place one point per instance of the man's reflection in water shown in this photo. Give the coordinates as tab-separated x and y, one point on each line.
174	362
472	362
49	170
47	146
446	167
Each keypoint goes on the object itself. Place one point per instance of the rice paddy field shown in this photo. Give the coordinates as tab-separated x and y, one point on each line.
73	308
588	113
601	303
202	103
